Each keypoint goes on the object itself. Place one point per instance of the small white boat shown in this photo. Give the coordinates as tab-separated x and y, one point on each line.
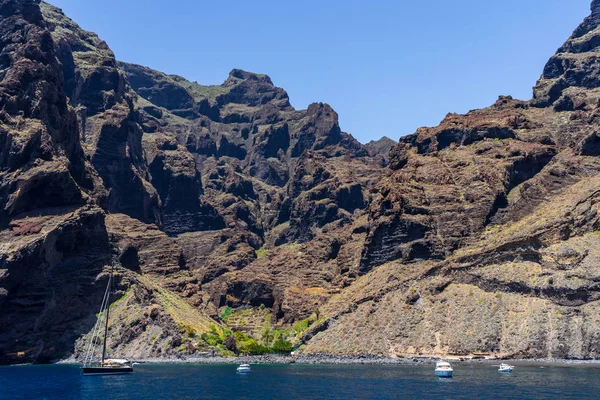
443	369
505	368
243	368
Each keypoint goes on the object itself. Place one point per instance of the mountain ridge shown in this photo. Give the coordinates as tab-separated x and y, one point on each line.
224	208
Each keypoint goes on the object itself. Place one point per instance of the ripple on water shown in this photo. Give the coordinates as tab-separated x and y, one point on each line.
193	381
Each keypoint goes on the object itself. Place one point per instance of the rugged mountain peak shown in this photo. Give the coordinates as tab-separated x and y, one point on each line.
253	90
381	148
575	65
191	100
595	7
27	9
83	53
236	74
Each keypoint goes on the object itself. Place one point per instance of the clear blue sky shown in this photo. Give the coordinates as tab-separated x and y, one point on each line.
387	67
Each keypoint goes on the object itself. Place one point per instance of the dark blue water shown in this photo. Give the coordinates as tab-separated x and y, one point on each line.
190	381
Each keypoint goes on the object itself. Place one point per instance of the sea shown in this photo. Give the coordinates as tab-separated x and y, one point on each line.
296	381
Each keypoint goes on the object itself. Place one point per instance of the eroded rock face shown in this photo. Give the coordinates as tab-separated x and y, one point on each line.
206	197
573	67
48	261
41	159
53	244
97	88
265	176
184	182
462	170
480	238
53	198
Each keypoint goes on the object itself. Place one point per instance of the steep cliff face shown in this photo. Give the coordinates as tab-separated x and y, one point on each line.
223	207
54	196
44	179
189	190
110	134
486	229
574	67
37	124
260	178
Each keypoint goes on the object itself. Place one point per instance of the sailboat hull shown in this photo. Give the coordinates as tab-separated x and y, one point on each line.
107	370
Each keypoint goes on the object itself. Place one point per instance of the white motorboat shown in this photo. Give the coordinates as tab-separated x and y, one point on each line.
243	368
505	368
443	369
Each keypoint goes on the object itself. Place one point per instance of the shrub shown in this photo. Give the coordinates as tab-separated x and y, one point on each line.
216	336
267	333
240	336
224	352
282	346
189	331
301	326
226	313
251	346
260	253
279	333
224	333
210	339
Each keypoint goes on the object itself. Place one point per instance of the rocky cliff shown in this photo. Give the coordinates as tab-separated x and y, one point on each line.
483	236
227	212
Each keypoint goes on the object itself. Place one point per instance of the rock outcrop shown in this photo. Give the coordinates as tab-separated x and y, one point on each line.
224	207
482	235
111	136
71	153
265	179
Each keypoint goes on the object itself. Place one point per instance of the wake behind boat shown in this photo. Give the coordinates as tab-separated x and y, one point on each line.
106	366
443	370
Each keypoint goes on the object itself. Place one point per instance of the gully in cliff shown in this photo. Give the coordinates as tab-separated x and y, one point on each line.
106	366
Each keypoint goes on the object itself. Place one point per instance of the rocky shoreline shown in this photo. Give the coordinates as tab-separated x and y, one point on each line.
355	360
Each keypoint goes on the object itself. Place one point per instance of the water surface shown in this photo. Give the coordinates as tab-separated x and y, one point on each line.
194	381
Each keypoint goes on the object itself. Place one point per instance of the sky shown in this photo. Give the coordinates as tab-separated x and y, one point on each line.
386	66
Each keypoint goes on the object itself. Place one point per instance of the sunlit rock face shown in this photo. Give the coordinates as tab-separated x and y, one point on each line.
475	236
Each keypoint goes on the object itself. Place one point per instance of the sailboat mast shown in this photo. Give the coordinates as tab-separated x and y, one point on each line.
107	311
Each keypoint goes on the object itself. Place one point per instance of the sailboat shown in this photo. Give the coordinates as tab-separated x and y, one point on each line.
106	366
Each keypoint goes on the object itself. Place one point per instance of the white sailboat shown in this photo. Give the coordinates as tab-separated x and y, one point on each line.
106	366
